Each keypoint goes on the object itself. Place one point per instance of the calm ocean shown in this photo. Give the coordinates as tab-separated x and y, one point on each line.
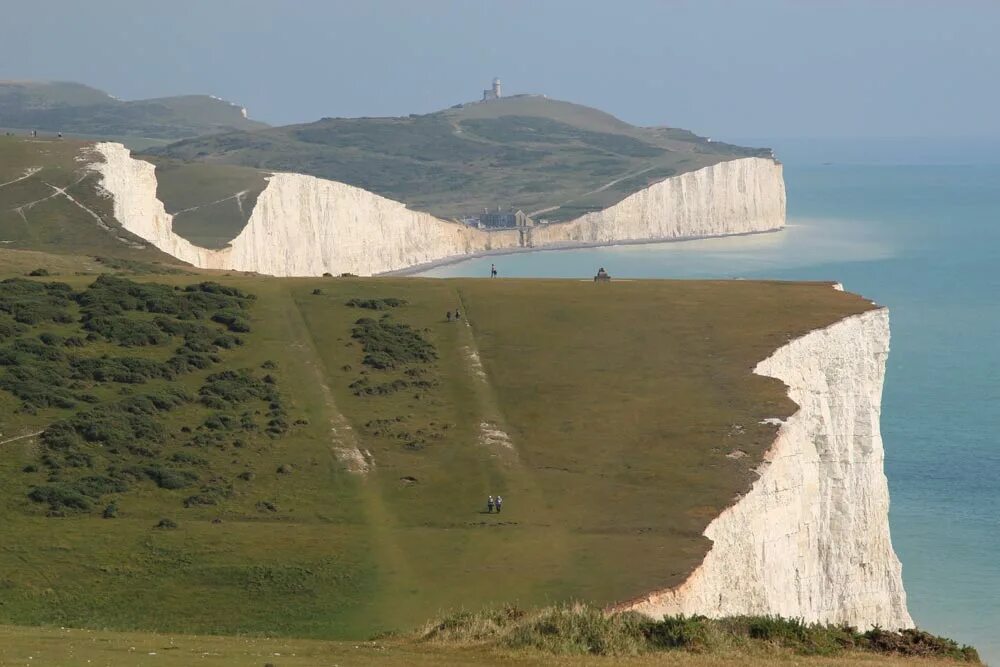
924	240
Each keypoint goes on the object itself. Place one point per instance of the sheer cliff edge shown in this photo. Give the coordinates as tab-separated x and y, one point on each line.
307	226
811	538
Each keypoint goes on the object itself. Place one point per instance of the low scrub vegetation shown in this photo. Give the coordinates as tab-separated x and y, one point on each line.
580	629
376	304
389	345
105	438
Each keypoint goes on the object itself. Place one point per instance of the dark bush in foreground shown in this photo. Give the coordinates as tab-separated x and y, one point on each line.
577	630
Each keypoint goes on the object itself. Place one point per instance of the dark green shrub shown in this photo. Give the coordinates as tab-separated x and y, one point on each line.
389	345
60	498
166	524
913	642
190	459
50	338
687	632
200	500
170	478
233	388
777	629
376	304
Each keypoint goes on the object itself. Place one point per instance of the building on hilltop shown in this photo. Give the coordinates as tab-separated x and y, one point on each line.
492	93
504	219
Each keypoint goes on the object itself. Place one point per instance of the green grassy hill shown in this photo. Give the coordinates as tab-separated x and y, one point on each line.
326	456
51	201
72	108
553	159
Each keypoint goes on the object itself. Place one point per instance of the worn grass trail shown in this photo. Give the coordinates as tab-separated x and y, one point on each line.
391	565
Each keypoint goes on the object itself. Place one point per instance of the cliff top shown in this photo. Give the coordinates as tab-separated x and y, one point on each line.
610	433
554	160
74	108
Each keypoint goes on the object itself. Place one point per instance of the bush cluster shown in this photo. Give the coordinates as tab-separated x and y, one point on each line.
104	449
377	304
389	345
580	629
31	302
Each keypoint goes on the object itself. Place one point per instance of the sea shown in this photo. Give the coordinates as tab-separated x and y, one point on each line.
913	225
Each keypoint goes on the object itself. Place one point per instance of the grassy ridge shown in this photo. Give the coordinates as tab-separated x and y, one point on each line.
442	413
583	630
528	152
19	645
75	108
34	215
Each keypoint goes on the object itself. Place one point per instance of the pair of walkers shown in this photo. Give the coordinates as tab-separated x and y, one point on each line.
457	315
492	502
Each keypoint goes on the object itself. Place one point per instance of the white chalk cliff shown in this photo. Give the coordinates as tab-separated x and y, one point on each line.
811	538
307	226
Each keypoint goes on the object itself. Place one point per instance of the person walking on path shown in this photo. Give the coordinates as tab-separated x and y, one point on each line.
499	503
448	315
458	314
493	270
489	505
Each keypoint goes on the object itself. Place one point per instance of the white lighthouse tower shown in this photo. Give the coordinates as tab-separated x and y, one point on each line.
492	93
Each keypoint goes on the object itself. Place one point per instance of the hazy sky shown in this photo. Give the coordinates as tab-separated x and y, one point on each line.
725	69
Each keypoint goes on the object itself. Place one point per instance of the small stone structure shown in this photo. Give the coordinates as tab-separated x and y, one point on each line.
493	92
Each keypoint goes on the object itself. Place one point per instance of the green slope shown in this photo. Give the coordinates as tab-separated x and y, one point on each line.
600	461
50	201
555	159
210	203
73	108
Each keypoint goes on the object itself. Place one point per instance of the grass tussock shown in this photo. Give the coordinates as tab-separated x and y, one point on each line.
585	630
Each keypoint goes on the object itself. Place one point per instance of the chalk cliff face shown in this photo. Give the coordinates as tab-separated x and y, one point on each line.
733	197
811	537
302	225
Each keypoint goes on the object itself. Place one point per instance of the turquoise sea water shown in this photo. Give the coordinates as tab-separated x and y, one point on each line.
925	241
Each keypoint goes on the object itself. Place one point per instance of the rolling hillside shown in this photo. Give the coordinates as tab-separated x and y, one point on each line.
50	200
555	160
73	108
317	452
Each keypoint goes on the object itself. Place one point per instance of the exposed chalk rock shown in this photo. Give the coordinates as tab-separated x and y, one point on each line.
811	537
307	226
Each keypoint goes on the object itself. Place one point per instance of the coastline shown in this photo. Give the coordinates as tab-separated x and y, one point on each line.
568	245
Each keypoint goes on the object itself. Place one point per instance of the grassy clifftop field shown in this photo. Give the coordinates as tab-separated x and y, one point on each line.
316	453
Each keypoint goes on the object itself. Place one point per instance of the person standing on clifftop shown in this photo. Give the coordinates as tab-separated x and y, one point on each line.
489	505
499	503
493	270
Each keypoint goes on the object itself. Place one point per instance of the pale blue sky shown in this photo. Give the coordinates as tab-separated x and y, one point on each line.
771	68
